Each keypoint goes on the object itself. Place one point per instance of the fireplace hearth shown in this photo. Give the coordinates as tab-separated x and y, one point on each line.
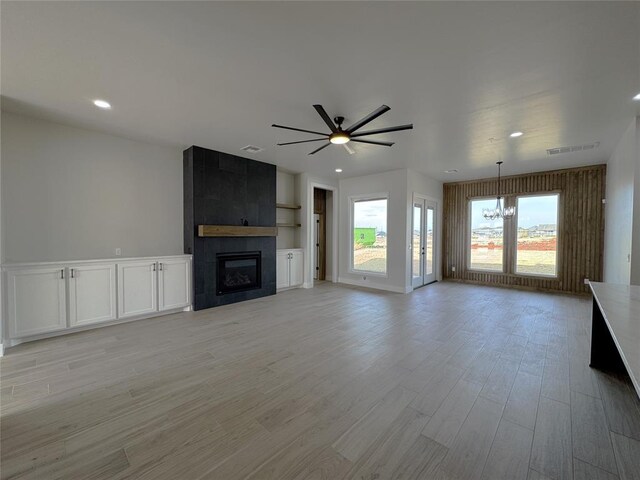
238	272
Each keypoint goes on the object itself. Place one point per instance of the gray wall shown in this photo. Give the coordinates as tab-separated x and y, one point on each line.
622	171
70	193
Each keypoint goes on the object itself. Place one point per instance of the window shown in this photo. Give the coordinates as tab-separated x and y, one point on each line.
486	241
369	235
537	237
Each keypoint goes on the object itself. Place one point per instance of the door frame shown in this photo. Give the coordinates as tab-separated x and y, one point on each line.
426	199
310	232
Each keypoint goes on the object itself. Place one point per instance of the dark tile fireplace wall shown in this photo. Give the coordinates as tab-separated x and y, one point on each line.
220	189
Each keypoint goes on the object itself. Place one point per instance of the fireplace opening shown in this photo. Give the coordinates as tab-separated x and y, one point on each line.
238	272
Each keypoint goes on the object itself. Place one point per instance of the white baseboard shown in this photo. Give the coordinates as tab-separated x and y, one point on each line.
387	288
17	341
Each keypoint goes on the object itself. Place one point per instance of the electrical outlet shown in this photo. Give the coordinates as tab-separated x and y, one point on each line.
453	269
586	281
118	252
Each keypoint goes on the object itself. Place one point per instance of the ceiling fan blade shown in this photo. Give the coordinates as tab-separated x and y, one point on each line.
372	116
384	130
384	144
300	130
349	150
323	146
302	141
327	119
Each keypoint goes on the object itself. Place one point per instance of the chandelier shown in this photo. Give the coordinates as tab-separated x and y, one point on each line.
499	211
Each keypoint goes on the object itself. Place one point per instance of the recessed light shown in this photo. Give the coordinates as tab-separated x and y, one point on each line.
637	98
516	134
453	170
102	104
338	170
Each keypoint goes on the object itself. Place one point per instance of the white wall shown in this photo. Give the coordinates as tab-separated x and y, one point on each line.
70	193
424	186
622	170
400	185
305	184
393	183
635	235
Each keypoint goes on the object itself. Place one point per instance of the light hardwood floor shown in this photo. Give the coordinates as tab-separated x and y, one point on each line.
450	382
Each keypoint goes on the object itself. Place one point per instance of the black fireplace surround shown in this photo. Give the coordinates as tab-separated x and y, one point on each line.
222	189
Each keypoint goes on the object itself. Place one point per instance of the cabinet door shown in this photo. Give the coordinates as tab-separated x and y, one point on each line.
173	283
92	294
137	288
37	301
296	267
282	269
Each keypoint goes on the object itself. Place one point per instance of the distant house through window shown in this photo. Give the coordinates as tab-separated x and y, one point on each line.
537	237
369	240
486	239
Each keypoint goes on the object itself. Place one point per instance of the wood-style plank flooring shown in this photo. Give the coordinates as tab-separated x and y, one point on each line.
450	382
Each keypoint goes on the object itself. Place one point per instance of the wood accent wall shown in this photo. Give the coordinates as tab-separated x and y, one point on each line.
580	227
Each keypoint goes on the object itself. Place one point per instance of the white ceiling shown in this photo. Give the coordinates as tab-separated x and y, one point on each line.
219	74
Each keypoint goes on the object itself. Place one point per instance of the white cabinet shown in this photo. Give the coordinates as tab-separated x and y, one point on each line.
137	288
51	297
289	268
92	293
173	283
36	300
282	268
296	268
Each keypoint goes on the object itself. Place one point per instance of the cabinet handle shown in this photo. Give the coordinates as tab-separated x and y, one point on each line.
62	273
160	266
73	273
154	267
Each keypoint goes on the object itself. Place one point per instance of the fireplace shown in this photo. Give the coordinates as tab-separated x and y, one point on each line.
238	272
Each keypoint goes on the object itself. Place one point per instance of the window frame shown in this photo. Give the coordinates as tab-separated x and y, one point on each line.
469	232
363	198
551	193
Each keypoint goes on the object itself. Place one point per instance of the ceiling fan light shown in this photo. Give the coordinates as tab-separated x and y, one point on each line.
339	138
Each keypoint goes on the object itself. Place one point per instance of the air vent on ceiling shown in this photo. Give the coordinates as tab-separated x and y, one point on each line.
251	149
575	148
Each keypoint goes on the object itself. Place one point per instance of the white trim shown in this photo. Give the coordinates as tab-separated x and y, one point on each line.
1	349
375	286
58	333
363	197
334	221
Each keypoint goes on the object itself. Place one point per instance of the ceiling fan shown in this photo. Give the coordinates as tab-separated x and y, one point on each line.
340	136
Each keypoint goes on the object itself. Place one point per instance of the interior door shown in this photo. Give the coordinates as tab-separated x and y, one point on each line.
423	244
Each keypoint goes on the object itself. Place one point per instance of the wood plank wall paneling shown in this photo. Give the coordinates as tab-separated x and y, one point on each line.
580	225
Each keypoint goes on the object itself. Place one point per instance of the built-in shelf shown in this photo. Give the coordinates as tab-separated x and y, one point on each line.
236	231
289	206
288	225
